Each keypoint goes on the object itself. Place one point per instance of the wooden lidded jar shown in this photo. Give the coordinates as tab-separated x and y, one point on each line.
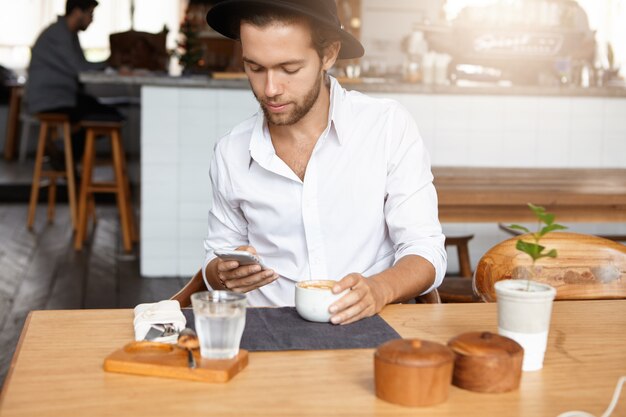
486	362
413	372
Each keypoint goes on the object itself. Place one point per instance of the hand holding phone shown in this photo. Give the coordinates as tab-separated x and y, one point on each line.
246	276
241	256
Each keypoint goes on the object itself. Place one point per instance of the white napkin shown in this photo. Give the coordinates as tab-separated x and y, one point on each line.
163	312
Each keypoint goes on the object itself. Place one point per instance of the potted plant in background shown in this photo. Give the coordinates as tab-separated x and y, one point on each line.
525	305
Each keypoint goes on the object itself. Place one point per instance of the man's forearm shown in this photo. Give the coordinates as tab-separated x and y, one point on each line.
408	278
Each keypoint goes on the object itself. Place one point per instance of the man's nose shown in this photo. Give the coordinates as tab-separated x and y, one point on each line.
272	84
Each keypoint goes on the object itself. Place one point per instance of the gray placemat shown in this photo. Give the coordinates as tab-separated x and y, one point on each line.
271	329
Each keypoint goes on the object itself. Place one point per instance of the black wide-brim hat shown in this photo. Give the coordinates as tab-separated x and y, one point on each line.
224	17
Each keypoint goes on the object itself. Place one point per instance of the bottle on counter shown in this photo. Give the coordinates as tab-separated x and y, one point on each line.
442	62
428	68
585	76
415	48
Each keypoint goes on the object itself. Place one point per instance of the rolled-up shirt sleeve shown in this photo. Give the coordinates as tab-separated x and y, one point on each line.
411	210
227	226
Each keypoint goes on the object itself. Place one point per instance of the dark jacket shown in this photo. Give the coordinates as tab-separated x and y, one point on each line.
57	59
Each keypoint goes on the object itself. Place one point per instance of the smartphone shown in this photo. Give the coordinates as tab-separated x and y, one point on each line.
241	256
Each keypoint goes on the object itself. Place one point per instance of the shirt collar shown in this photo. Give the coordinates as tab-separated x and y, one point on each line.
335	113
261	148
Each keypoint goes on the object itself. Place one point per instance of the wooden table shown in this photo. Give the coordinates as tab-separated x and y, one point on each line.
473	194
57	370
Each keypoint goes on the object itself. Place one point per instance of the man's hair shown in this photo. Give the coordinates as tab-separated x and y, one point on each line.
322	36
83	5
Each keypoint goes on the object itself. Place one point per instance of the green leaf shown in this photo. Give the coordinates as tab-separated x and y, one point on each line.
551	227
518	227
538	210
532	249
541	214
547	218
551	254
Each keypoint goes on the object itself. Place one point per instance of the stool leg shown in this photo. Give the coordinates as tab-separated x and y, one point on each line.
85	190
465	266
34	190
69	172
122	202
52	196
131	217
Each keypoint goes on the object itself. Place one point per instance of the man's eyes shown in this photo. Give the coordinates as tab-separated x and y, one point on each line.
287	70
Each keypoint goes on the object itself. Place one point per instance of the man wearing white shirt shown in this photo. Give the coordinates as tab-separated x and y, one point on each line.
322	183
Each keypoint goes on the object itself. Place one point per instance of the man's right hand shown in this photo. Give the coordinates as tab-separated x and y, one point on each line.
243	278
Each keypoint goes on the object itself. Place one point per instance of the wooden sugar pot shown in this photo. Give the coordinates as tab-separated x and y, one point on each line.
486	362
413	372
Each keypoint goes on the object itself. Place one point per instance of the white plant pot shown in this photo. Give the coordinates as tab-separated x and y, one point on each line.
524	311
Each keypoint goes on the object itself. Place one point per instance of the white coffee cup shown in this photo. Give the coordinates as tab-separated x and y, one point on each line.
313	299
524	311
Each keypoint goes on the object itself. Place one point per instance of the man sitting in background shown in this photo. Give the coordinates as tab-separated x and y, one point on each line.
53	85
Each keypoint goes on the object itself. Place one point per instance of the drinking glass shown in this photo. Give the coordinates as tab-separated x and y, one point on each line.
220	317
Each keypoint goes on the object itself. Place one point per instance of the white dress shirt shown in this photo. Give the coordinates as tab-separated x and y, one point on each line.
366	201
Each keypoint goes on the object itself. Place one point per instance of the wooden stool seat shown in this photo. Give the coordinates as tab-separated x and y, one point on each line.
120	186
459	289
50	123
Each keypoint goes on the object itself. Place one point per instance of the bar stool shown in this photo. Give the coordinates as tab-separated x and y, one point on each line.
50	123
120	186
459	289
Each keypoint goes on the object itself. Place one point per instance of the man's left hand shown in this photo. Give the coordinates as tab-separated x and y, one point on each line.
364	299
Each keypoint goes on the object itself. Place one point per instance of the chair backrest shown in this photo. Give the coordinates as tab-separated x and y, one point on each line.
587	267
196	283
429	298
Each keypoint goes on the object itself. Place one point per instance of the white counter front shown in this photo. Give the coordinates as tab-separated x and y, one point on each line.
179	126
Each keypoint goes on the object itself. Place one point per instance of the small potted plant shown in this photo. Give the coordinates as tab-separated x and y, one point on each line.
525	305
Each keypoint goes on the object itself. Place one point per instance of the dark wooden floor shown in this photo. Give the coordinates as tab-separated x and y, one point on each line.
40	270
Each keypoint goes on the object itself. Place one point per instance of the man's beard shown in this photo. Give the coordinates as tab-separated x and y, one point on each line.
298	112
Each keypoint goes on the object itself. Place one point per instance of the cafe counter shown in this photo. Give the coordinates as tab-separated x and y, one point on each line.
182	118
365	85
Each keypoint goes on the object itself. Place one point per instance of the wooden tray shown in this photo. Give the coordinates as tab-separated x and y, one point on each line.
168	361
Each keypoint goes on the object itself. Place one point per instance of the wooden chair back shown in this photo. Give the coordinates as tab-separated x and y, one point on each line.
196	283
587	267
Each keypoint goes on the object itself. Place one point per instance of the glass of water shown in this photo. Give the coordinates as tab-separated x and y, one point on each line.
220	317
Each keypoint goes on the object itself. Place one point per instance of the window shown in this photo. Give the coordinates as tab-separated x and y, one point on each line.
23	20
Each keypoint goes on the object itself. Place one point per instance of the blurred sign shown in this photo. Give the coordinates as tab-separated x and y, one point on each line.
534	44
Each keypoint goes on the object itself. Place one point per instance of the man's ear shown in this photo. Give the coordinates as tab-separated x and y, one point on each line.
330	55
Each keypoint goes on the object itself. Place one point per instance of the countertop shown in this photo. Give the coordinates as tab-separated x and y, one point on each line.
373	85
